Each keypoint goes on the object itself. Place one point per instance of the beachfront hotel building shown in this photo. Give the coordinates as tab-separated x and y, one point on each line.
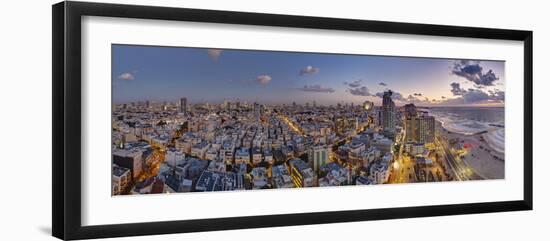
420	129
426	129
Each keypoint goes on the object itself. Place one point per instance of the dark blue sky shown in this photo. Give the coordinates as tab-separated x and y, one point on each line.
203	75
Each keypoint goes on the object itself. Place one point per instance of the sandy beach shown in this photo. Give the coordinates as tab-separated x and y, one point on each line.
484	151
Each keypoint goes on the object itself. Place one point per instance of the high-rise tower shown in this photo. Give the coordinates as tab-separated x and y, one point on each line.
183	105
388	111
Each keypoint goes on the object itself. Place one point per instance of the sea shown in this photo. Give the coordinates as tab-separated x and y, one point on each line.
468	120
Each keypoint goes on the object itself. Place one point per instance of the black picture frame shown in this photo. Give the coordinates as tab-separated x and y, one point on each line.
66	128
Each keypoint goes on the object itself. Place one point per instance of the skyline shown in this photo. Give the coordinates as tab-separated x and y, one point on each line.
153	73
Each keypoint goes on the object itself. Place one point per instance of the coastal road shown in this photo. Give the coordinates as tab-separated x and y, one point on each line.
460	170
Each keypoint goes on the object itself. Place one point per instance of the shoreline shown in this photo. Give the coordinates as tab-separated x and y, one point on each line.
481	154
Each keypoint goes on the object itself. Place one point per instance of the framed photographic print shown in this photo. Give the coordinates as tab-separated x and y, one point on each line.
170	120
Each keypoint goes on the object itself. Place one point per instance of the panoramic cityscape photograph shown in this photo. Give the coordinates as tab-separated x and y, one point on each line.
203	119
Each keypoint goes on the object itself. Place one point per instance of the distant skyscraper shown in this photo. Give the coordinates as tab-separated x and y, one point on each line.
226	105
388	111
262	110
318	156
183	105
257	110
314	104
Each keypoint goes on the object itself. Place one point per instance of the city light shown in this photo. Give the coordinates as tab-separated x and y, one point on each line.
396	165
223	132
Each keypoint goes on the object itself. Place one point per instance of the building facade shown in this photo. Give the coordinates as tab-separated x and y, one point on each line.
318	156
420	129
387	115
183	105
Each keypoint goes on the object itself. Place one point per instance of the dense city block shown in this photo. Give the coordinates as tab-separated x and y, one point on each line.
167	147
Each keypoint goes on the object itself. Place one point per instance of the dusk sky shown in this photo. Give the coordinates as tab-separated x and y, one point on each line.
208	75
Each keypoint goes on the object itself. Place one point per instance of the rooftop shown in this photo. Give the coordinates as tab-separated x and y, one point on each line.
119	171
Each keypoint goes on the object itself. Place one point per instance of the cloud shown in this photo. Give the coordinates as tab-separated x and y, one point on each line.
453	101
263	79
497	95
464	96
417	100
456	90
126	76
316	88
353	84
395	95
472	71
382	84
474	96
309	70
214	54
260	79
355	88
360	91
